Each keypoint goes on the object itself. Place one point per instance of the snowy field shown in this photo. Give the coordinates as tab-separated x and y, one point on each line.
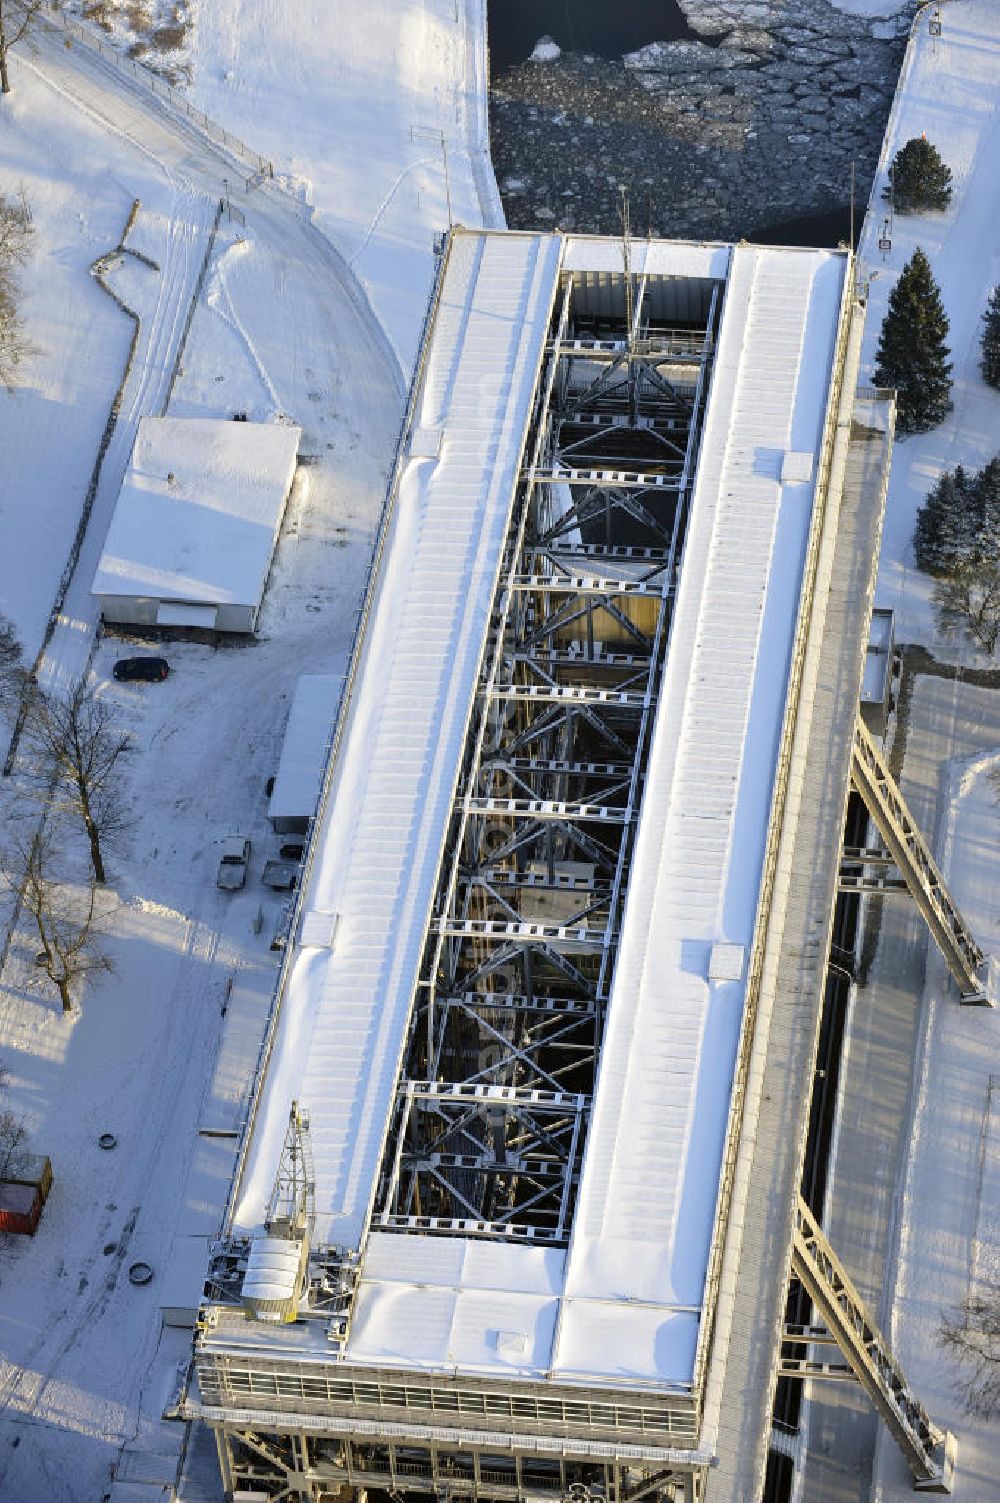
949	1212
375	113
280	330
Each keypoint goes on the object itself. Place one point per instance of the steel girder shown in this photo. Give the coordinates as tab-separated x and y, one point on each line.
491	1110
973	970
929	1451
295	1465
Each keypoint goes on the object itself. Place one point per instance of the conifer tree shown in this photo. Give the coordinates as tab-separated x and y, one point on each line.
990	362
920	179
987	506
912	355
948	524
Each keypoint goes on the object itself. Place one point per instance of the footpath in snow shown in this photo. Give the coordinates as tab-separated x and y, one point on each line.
375	113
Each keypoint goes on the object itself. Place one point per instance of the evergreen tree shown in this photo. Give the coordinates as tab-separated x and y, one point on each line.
948	524
990	362
912	355
920	180
987	507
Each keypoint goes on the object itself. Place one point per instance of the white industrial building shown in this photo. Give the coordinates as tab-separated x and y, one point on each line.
196	523
531	1113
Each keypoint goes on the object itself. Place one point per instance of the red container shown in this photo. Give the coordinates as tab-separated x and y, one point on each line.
20	1208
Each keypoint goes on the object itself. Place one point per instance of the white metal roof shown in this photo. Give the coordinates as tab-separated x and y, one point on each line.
344	1013
305	747
198	512
623	1304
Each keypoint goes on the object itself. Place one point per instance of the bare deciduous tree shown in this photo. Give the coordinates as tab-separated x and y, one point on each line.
13	1135
65	918
968	600
15	237
79	747
11	670
16	19
972	1336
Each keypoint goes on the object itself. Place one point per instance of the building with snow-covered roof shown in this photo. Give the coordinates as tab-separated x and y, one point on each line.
297	782
534	1090
196	523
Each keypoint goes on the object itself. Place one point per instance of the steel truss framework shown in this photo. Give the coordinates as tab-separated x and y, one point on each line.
906	850
489	1122
290	1465
929	1451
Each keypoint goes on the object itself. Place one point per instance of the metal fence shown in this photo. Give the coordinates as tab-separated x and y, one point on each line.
74	33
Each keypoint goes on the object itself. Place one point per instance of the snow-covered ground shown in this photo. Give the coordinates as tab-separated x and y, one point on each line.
282	329
949	1207
377	115
950	89
80	183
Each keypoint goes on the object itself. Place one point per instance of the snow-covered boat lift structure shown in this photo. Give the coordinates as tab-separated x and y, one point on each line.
558	957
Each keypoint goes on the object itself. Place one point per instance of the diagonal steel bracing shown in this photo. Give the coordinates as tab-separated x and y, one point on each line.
971	967
929	1451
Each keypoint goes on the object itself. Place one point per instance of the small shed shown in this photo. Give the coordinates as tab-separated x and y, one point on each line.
20	1207
184	1281
196	523
23	1192
303	752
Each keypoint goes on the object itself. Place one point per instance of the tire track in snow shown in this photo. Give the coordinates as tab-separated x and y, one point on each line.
220	301
23	1395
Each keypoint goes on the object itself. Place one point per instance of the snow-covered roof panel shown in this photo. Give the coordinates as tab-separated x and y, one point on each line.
472	1329
343	1015
625	1342
650	1180
198	511
390	1258
664	258
305	746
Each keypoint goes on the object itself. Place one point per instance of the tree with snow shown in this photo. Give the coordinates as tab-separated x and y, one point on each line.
972	1336
79	747
967	600
986	488
17	17
947	523
65	918
989	363
912	355
11	668
920	179
13	1135
15	238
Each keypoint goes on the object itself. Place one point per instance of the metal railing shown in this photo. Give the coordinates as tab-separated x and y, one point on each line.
75	32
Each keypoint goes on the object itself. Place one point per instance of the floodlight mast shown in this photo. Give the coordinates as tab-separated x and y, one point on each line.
291	1208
